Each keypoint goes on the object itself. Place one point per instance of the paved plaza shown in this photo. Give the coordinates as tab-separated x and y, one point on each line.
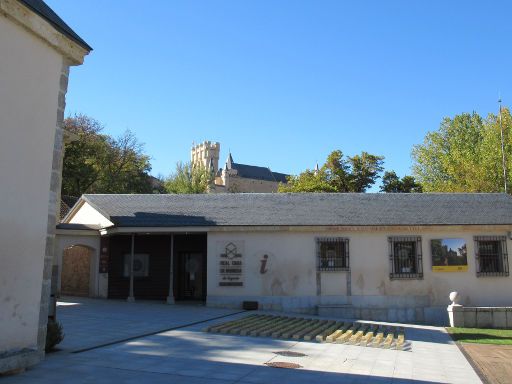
187	354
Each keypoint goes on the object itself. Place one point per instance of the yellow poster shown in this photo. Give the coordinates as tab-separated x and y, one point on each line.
450	268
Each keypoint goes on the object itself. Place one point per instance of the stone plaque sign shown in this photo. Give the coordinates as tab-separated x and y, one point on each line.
230	266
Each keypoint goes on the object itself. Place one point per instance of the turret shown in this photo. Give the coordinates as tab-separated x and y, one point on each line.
207	154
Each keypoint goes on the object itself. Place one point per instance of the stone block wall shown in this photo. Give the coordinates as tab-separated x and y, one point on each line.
53	212
481	317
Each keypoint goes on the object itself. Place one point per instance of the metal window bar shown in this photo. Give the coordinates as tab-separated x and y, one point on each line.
405	257
491	256
332	254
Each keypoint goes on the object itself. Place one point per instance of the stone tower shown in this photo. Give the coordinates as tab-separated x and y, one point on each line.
207	154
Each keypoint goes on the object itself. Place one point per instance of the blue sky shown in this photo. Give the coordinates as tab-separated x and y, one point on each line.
283	83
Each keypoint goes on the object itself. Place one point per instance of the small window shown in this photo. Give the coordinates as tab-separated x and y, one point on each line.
491	256
405	257
332	254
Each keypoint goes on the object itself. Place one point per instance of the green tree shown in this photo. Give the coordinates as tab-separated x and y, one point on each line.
391	183
189	178
338	174
98	163
464	155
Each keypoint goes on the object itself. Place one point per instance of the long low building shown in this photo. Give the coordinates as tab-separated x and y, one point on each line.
390	257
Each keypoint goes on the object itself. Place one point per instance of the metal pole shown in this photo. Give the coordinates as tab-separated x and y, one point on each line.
170	297
131	298
503	151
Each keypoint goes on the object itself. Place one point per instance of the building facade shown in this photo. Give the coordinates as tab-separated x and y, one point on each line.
36	51
235	177
390	257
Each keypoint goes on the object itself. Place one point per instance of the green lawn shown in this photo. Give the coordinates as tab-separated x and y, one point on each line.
481	336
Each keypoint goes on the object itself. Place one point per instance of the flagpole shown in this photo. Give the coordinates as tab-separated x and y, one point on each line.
503	150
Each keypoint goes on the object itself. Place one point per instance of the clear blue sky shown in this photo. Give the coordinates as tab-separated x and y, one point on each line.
283	83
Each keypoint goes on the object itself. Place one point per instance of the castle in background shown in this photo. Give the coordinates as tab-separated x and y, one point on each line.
235	177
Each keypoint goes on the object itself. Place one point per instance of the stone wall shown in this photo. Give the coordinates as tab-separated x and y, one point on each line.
53	212
480	317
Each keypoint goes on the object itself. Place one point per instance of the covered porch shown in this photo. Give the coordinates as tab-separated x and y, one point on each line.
131	265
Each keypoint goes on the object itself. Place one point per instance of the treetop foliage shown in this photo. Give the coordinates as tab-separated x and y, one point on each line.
338	174
189	178
464	154
98	163
391	183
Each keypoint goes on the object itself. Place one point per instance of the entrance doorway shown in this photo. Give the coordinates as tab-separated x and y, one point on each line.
76	271
190	267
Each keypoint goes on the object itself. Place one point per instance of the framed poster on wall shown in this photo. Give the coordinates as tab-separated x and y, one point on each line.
449	255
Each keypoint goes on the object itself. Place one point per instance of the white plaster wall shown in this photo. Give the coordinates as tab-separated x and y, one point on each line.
62	242
29	88
292	270
88	215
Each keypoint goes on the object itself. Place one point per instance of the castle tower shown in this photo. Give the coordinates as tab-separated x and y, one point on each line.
207	154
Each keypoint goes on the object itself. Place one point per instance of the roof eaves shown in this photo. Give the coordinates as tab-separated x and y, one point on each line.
42	9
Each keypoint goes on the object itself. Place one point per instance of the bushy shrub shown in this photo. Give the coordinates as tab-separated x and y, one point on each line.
54	335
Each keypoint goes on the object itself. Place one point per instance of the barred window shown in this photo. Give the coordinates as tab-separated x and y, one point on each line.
491	256
405	257
332	254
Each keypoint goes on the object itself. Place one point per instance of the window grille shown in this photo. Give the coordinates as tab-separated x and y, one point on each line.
491	256
405	257
332	254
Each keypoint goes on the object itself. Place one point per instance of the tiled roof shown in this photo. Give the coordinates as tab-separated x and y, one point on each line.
79	227
43	10
66	202
258	173
304	209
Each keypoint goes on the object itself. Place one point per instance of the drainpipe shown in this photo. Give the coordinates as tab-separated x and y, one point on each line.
170	297
131	298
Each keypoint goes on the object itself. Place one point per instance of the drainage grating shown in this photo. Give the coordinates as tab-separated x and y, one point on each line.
282	364
290	354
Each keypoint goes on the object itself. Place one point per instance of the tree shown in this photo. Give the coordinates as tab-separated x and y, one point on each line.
99	163
391	183
464	155
338	174
189	178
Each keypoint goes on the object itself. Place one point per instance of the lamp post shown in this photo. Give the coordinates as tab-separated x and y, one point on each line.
503	150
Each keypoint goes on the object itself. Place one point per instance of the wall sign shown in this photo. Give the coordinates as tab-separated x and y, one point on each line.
230	266
449	255
103	264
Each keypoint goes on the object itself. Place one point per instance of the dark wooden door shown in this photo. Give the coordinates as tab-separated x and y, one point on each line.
191	273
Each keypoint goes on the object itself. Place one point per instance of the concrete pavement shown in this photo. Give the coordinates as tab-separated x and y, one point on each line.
189	355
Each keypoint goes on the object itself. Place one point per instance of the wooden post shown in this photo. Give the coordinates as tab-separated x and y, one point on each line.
170	297
131	298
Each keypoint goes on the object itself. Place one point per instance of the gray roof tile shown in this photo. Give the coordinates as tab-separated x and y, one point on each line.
301	209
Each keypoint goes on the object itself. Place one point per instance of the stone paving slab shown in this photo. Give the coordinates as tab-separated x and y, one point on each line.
88	322
189	355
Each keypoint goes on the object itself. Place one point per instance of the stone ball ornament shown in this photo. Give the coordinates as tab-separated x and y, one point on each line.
454	296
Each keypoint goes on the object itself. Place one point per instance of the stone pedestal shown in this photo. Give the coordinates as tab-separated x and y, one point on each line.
456	315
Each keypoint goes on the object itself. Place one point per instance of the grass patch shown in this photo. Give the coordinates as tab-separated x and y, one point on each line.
481	336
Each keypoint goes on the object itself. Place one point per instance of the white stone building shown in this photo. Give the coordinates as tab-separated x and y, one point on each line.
36	50
391	257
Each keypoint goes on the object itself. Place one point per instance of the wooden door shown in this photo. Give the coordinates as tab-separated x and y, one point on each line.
76	271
